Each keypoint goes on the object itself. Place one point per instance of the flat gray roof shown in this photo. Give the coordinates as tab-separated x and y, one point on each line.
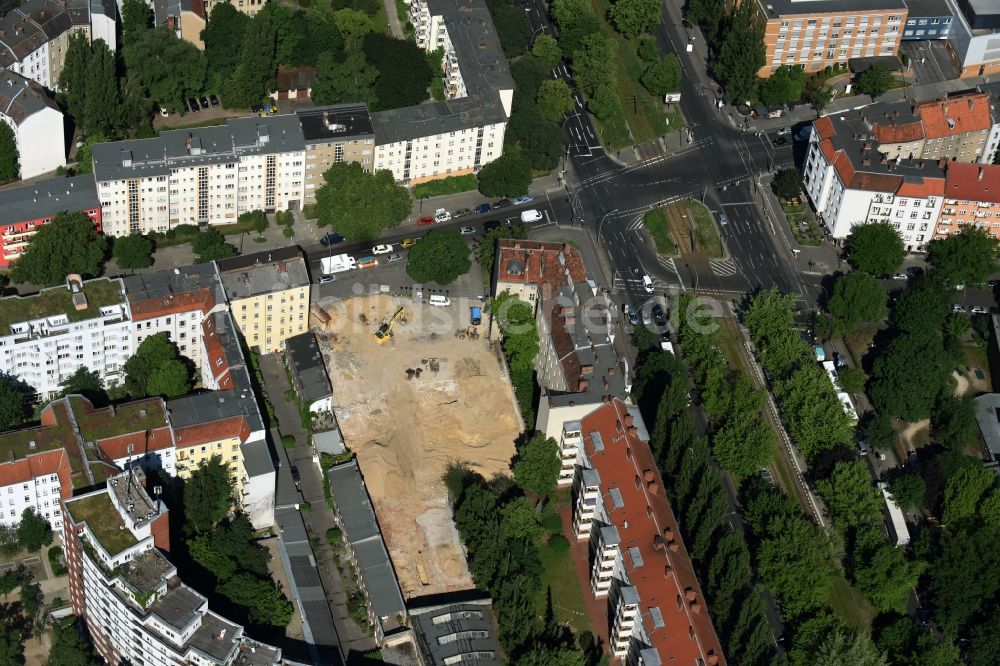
447	631
171	282
257	458
988	419
927	8
263	272
47	198
178	607
208	638
306	362
845	7
335	123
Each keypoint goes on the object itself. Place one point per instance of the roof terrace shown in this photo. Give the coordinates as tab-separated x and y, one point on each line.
55	301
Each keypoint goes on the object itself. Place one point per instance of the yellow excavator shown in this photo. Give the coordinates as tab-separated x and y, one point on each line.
384	332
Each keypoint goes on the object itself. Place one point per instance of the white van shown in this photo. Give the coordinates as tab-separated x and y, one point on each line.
441	301
531	215
647	284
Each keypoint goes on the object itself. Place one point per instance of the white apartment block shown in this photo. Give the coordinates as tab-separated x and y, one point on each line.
39	490
136	608
80	324
37	124
203	176
464	132
34	37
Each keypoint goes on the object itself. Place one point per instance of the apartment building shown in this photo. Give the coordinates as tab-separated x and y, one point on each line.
202	176
34	37
525	268
46	337
37	124
24	209
820	33
268	294
136	607
927	19
452	633
185	18
975	36
332	134
249	7
638	564
850	182
971	199
459	135
310	379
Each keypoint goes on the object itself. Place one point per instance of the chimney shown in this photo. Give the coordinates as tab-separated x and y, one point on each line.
628	420
647	474
689	594
586	369
582	385
981	171
674	547
653	487
696	608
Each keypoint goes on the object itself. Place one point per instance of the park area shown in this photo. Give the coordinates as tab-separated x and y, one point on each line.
409	408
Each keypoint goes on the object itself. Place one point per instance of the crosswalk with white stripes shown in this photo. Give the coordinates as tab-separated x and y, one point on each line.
723	267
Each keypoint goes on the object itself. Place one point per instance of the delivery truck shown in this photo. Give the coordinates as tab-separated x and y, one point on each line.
338	263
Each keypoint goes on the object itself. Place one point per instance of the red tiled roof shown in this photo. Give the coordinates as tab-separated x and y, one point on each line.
973	182
903	133
539	262
968	113
824	126
666	578
202	299
928	187
37	464
235	426
116	448
875	182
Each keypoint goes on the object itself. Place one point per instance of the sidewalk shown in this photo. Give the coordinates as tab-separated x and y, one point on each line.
453	202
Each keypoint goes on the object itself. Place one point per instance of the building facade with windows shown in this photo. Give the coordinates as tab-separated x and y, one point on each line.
971	199
819	33
927	19
136	608
975	36
37	124
24	209
268	294
333	134
202	176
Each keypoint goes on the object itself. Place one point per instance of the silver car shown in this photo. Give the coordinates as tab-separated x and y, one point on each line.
393	257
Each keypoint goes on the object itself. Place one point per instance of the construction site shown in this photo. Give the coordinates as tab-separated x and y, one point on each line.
415	389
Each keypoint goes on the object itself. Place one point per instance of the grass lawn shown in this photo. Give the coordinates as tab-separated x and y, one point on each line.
559	574
442	186
850	605
381	20
655	222
707	233
802	223
211	122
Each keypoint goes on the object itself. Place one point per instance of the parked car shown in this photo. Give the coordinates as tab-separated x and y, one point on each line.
992	283
780	141
784	131
658	315
483	208
382	249
214	100
977	309
957	307
441	215
255	109
295	476
367	262
467	231
204	102
425	220
530	215
192	105
409	242
633	316
394	257
491	225
327	278
914	271
461	212
723	220
523	199
331	239
501	203
647	317
899	276
164	112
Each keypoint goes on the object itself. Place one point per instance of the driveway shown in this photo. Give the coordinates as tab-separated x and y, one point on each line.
930	61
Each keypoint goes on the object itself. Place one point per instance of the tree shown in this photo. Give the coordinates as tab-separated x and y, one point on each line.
663	76
352	80
961	580
875	81
850	496
353	26
741	54
852	380
9	158
549	655
14	397
857	298
254	76
508	175
709	14
101	103
133	251
576	21
816	418
485	245
403	72
68	244
787	183
875	248
594	63
69	647
87	383
882	572
256	220
966	258
604	103
73	77
223	38
207	495
170	379
156	369
907	380
165	67
262	598
922	307
820	98
536	465
745	446
964	490
547	50
33	532
518	521
908	490
877	430
953	422
136	19
648	50
358	204
784	86
554	100
633	17
210	245
793	562
843	648
441	256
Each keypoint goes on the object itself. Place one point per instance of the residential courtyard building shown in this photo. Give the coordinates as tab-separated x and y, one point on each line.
975	36
268	294
816	34
927	19
24	209
37	124
136	608
334	134
971	199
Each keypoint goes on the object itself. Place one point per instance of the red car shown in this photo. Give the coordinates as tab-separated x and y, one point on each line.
424	221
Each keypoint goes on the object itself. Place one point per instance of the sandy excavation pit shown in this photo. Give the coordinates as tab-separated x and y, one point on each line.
405	432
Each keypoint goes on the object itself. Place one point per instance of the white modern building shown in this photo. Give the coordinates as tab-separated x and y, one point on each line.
136	608
202	176
975	36
461	134
46	337
37	124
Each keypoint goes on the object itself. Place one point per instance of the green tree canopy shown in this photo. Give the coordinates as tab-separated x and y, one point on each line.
708	14
663	76
794	563
876	80
784	86
358	204
787	184
255	75
850	495
908	490
882	571
851	380
633	17
156	368
536	465
403	72
9	157
137	17
908	379
133	251
14	400
352	80
262	597
547	50
519	522
953	422
68	244
353	26
961	580
207	496
576	21
964	490
166	67
966	258
33	532
210	245
441	256
741	54
858	298
69	648
922	307
223	38
843	647
554	100
594	63
87	383
508	175
102	98
875	248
